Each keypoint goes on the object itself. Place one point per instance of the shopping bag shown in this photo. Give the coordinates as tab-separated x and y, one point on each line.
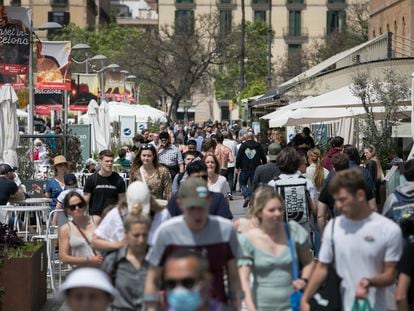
362	305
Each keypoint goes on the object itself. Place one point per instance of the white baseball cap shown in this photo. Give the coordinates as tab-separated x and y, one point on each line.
138	192
88	277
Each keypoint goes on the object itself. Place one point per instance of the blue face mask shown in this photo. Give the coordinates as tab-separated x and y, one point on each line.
182	299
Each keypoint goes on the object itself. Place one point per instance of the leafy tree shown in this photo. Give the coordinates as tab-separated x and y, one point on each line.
228	73
175	61
390	92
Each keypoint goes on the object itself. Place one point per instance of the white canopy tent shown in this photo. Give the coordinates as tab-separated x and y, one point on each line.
103	117
97	134
316	115
9	128
142	113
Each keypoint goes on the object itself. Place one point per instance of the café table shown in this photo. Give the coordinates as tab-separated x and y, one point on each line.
15	212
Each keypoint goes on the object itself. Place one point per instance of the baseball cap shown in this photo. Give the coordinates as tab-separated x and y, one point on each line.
70	179
6	168
274	149
194	192
138	192
88	277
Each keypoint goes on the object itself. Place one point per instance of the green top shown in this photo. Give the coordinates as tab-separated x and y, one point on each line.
125	163
272	284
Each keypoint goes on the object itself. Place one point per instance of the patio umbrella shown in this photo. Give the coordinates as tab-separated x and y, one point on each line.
9	127
97	139
103	116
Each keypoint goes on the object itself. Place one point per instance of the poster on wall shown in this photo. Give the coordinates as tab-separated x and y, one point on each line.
83	131
84	88
53	65
127	126
130	88
114	85
15	25
47	100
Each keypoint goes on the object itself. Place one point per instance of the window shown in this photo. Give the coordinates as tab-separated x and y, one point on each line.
184	21
294	50
373	33
225	1
295	1
183	1
259	16
225	21
336	1
294	23
62	18
335	21
259	2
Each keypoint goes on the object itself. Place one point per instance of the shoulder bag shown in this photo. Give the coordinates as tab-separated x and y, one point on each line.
296	296
328	296
85	238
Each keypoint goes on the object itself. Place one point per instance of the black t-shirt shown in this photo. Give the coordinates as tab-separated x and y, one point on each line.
7	188
326	198
104	191
406	266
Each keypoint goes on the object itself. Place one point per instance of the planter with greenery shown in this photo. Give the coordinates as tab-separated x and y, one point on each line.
23	266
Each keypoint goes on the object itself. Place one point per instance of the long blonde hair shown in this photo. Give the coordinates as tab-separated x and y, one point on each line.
314	156
373	150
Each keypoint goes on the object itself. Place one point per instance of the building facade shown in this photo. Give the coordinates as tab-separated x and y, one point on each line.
83	13
295	22
396	17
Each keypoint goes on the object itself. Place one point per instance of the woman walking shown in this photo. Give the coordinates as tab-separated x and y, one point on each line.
267	256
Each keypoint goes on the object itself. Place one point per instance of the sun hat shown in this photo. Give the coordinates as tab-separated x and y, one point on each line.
194	192
274	149
60	159
88	277
138	192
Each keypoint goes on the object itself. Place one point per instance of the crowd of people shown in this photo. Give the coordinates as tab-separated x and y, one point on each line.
317	234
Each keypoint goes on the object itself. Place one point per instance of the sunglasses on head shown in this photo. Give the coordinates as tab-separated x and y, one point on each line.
146	146
74	206
188	283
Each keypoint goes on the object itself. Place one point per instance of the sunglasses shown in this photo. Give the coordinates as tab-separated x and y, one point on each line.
74	206
146	146
188	283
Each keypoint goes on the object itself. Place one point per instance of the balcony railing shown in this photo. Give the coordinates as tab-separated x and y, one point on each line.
295	5
59	2
295	36
226	4
336	5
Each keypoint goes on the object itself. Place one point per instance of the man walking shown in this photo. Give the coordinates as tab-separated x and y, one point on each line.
104	187
211	236
249	157
267	172
170	156
366	246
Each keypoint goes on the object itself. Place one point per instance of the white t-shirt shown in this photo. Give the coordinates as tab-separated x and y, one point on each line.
361	249
111	227
221	185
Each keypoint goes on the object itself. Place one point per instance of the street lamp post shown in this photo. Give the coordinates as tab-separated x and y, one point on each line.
100	59
82	47
30	109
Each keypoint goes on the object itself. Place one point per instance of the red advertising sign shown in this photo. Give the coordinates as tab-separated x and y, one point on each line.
53	65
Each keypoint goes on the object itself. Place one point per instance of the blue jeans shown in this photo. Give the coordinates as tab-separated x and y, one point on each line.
246	183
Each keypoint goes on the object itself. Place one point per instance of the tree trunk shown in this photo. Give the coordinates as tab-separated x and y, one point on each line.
172	113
